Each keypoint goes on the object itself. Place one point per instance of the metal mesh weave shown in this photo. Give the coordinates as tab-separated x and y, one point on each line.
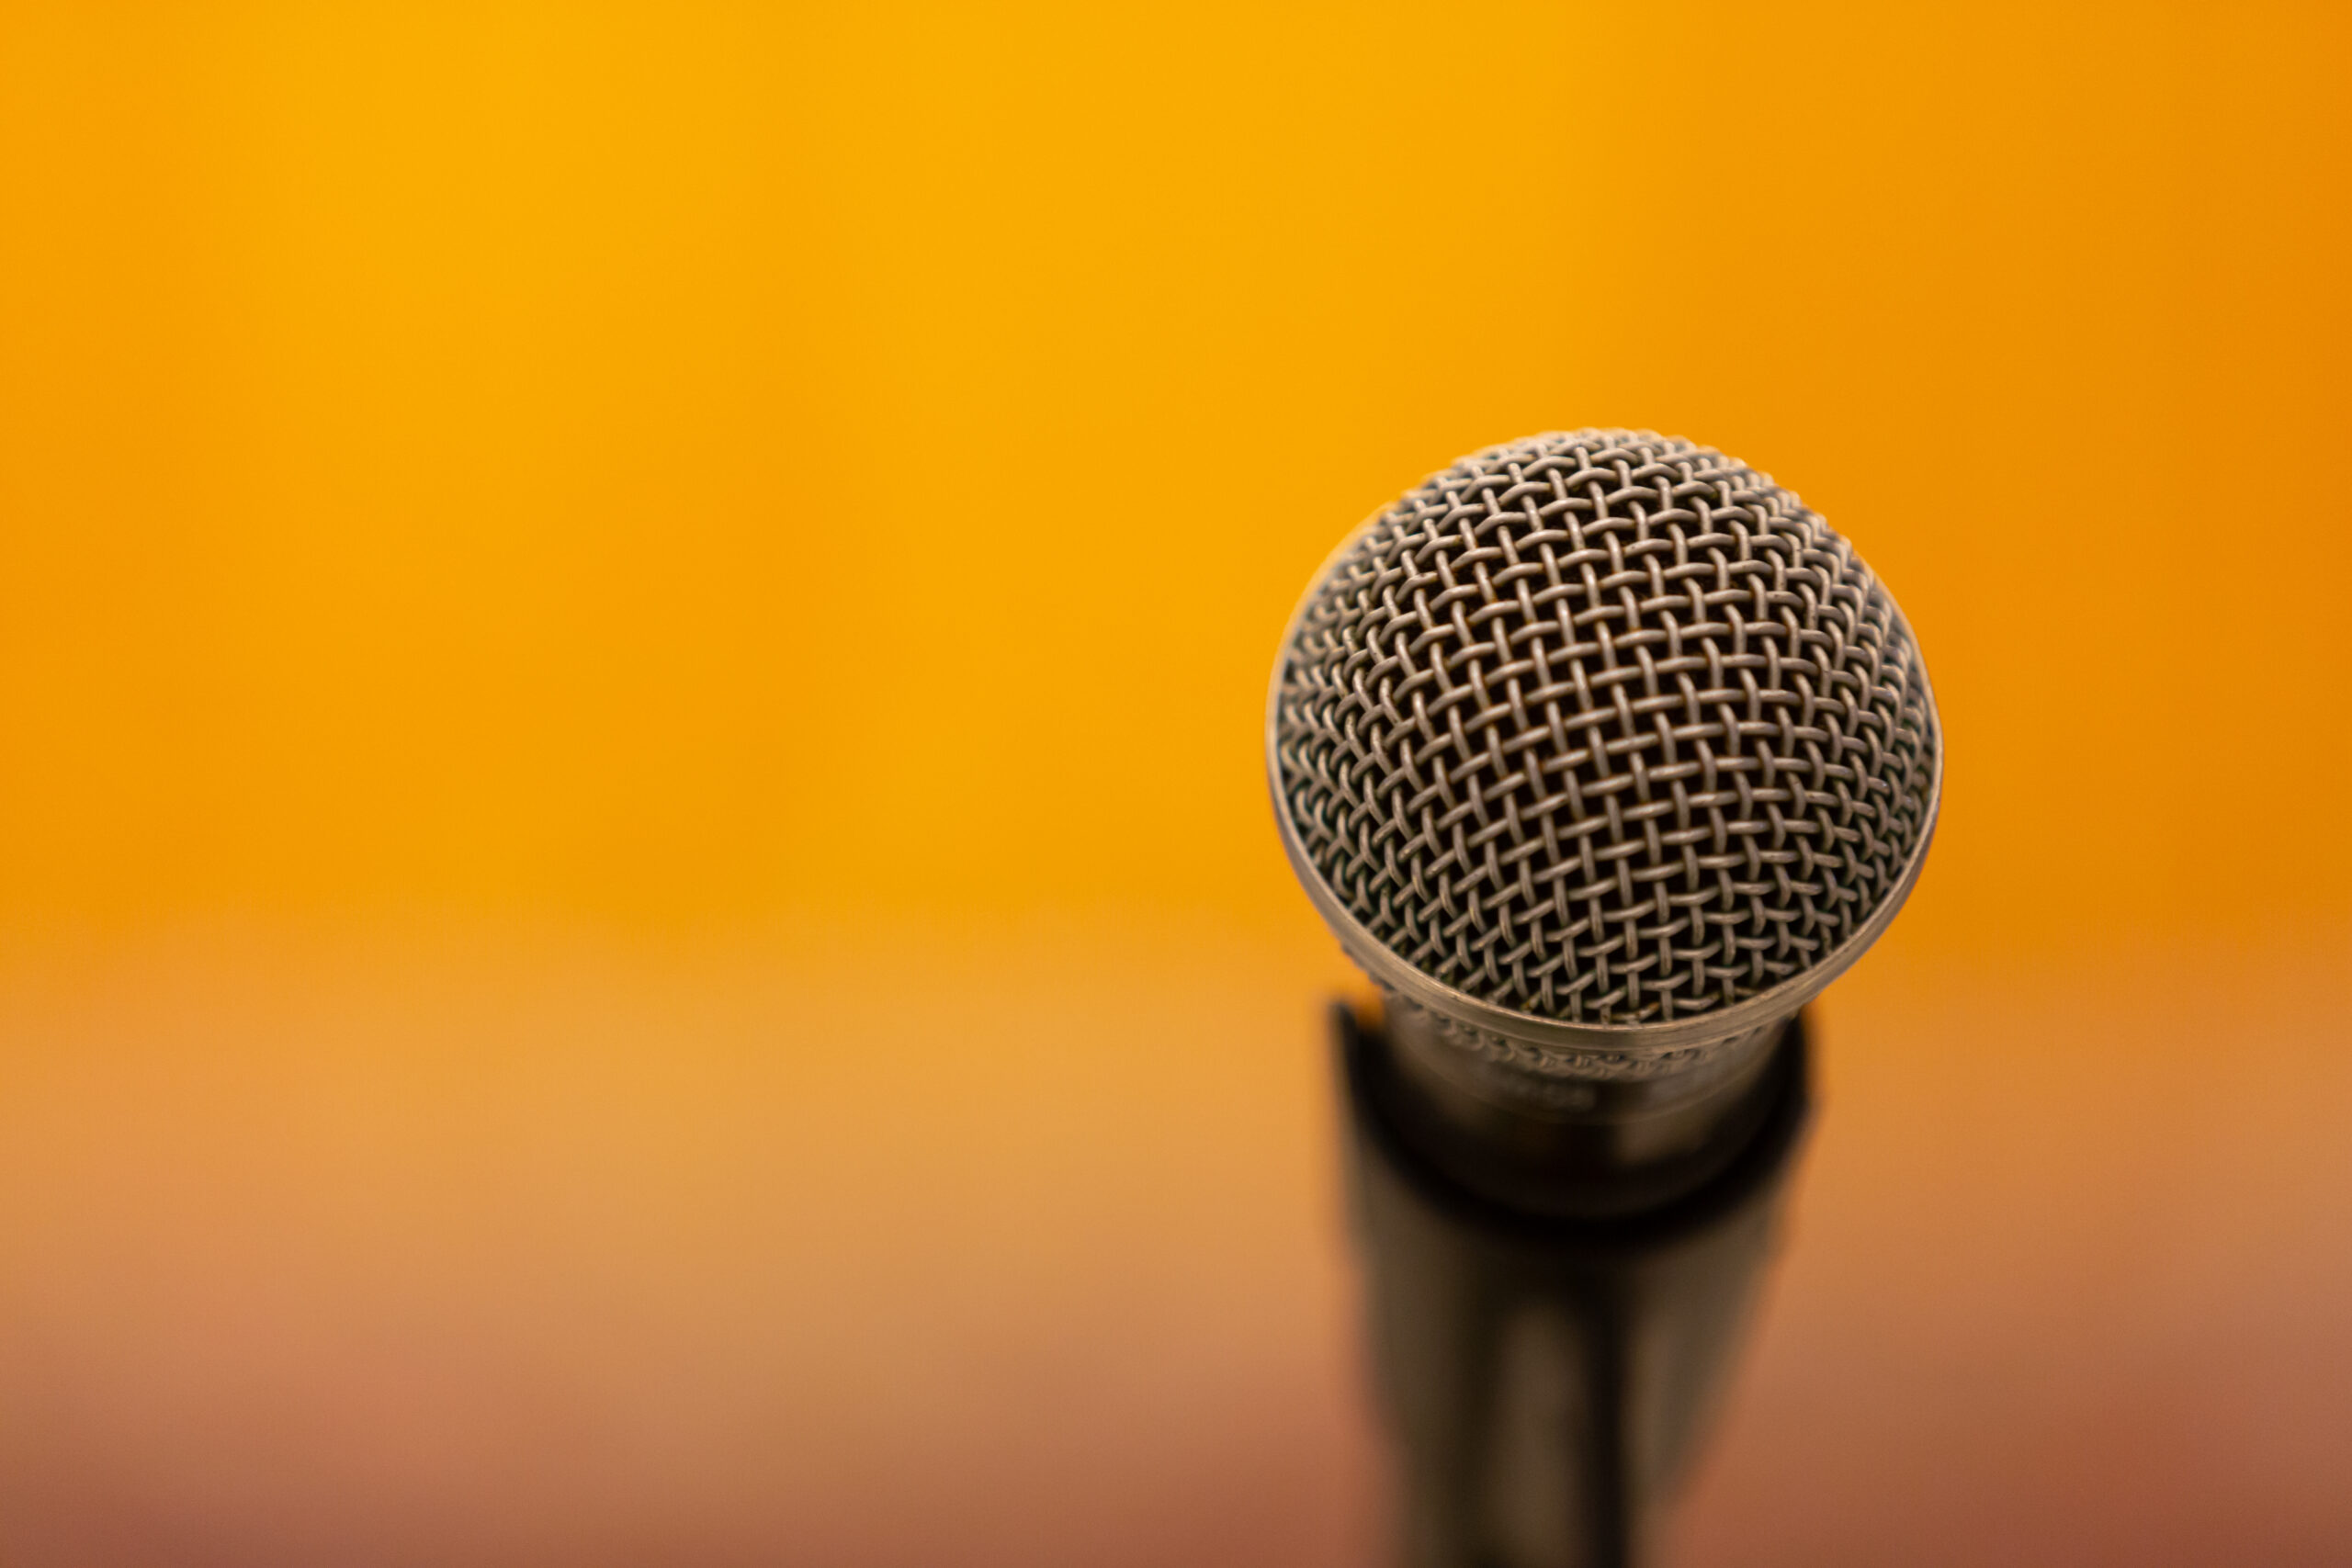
1606	727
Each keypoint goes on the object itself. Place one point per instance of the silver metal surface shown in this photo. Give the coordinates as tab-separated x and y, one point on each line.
1603	747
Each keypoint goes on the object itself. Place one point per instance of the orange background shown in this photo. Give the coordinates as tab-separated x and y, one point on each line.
608	610
673	463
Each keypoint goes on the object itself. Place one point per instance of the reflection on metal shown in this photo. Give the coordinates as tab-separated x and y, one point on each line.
1549	1344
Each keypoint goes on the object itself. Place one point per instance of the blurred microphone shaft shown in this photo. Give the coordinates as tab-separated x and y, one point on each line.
1548	1380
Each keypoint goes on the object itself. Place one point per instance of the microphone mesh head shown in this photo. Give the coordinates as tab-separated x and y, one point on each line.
1605	727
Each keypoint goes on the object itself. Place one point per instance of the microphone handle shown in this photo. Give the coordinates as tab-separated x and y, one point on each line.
1547	1380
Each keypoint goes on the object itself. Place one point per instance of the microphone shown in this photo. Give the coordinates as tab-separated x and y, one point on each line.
1601	754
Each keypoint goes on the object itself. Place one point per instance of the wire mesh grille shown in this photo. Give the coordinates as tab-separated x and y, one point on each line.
1607	727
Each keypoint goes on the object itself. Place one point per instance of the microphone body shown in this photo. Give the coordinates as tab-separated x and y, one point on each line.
1548	1383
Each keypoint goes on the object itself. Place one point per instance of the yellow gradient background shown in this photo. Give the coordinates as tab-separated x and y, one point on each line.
602	605
683	462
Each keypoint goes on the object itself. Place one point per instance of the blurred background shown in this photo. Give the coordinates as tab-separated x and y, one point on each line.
638	918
